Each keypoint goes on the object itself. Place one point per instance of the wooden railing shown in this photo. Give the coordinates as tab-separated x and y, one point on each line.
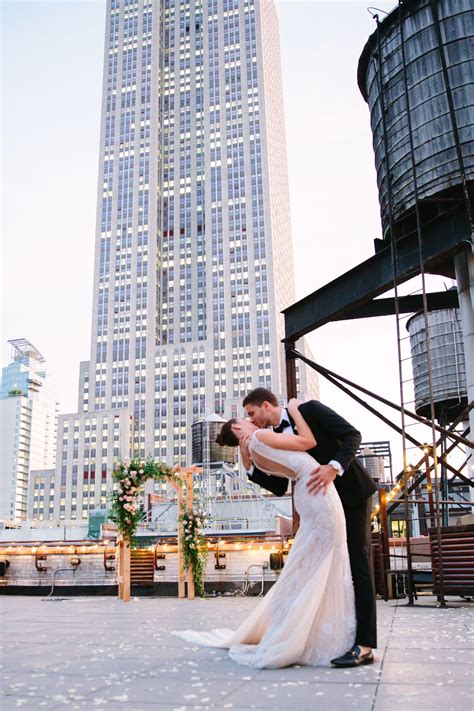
457	560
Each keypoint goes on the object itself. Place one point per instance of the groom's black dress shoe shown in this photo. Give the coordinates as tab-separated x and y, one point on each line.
353	658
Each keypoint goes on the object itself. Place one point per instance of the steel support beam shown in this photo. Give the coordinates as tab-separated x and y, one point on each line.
406	305
358	287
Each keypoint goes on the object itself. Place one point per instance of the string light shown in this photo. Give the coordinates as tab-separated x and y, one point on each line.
257	544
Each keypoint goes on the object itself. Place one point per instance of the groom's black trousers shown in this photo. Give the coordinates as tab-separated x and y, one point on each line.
359	544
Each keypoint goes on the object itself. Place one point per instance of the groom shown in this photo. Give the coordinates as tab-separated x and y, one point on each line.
336	444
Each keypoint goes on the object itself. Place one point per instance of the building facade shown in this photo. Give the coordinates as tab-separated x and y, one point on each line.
193	256
28	412
88	446
41	495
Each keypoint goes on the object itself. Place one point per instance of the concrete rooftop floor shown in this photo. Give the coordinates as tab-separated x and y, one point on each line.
99	653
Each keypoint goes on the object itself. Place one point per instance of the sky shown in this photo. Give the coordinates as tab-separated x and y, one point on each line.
52	55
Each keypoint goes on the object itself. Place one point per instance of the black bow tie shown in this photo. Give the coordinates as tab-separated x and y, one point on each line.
283	425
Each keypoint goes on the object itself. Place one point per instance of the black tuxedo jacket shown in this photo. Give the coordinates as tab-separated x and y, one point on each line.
335	439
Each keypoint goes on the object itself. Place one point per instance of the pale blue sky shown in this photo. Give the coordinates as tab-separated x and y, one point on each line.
52	54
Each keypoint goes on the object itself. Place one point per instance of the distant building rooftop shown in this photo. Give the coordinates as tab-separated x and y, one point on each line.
24	350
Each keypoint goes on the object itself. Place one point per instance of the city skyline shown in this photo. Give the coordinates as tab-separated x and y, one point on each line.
193	256
328	134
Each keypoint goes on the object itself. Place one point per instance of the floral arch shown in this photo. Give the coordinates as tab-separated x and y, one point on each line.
129	478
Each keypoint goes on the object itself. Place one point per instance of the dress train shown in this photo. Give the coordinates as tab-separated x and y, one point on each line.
308	616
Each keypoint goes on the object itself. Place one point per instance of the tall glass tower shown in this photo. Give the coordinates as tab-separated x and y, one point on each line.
193	257
28	413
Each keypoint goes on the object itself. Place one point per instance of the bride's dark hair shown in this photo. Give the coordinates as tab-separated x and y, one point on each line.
227	438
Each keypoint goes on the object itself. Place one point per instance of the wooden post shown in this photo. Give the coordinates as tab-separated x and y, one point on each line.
181	577
119	563
124	569
189	508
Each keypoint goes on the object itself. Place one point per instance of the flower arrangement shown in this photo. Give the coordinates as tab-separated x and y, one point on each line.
129	478
194	545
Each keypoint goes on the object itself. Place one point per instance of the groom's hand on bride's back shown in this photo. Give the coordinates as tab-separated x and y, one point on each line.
321	478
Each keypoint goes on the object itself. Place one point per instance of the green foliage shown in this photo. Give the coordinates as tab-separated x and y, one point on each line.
128	480
194	545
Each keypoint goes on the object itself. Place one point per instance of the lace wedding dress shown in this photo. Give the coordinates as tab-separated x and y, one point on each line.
308	616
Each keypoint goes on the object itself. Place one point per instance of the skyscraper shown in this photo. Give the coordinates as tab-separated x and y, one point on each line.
193	257
28	412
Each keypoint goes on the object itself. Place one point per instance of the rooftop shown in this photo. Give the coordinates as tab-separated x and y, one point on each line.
100	653
24	350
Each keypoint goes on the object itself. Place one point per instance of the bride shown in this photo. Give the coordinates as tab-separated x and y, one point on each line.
308	616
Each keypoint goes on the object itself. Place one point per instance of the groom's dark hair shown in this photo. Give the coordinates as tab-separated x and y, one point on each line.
258	396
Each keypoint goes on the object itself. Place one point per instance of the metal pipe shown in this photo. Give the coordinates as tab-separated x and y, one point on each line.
39	568
325	373
60	570
457	472
394	261
464	268
384	536
290	360
419	225
247	579
423	420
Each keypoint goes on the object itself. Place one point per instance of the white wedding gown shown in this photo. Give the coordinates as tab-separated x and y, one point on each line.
308	616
